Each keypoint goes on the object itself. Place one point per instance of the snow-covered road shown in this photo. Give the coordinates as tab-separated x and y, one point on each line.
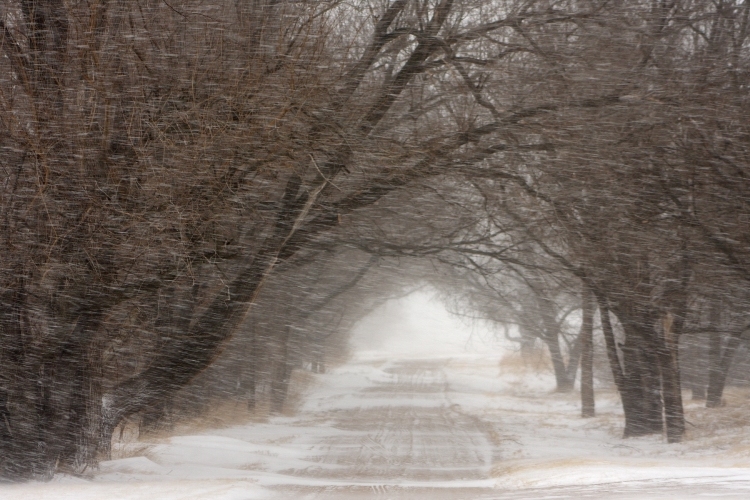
421	429
452	429
404	438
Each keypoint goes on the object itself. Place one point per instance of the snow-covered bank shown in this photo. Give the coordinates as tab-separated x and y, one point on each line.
378	425
546	444
177	489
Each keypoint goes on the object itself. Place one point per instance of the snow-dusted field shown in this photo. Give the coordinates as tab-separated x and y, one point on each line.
448	428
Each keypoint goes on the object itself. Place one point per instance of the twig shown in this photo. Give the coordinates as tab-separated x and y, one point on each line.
322	175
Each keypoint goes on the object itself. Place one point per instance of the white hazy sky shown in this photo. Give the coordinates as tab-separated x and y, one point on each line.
418	326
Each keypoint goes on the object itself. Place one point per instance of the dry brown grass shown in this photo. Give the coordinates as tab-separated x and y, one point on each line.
220	415
125	440
229	413
299	384
732	418
129	441
532	362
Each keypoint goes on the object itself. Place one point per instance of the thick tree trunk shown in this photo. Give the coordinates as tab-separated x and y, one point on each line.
643	381
641	369
637	384
630	403
674	418
564	383
588	405
672	328
50	407
637	393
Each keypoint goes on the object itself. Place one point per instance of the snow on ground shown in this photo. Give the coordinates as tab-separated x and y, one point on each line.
406	420
546	444
534	444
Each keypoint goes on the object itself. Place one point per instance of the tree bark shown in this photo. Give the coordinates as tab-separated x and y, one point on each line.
551	337
694	377
715	389
588	405
642	369
642	374
630	407
558	364
49	410
197	348
721	362
674	418
252	371
282	372
637	385
574	360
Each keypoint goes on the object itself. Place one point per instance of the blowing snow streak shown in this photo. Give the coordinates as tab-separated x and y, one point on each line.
209	209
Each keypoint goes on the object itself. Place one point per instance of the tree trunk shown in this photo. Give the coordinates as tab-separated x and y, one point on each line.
674	418
551	337
558	364
252	371
609	340
50	408
642	375
715	389
574	360
721	362
693	376
636	392
644	379
630	407
637	385
588	408
668	349
281	374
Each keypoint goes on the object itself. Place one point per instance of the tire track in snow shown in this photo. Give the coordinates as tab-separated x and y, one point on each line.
403	443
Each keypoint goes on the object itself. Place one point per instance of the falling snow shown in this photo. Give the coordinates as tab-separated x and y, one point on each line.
374	248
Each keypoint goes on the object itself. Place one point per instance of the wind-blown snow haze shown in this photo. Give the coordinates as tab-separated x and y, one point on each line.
374	249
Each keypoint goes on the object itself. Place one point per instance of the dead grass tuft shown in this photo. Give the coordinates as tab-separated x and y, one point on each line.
535	361
731	418
222	414
299	384
129	440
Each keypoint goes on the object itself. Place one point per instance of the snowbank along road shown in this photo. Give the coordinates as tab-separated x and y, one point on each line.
437	429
